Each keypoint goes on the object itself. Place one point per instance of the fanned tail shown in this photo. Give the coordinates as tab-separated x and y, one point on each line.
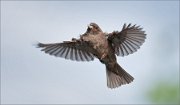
117	76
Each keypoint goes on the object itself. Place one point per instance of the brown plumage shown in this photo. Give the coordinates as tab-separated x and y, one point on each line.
94	43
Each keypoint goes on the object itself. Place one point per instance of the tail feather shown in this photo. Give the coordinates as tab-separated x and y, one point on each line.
117	76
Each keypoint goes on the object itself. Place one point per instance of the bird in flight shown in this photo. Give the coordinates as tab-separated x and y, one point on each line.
95	43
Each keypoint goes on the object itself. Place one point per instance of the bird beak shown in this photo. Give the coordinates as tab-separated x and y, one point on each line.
89	26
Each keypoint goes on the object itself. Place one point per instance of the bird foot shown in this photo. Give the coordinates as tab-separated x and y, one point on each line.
103	56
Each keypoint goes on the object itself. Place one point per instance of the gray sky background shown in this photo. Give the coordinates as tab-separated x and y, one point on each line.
29	76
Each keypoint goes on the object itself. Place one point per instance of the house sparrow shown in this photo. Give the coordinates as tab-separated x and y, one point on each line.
94	43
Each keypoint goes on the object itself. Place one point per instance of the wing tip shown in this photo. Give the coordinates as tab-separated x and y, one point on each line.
135	26
36	44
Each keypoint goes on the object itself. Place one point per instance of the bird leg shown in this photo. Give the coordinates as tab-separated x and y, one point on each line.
103	56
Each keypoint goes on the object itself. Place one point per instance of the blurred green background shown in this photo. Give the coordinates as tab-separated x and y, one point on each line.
164	93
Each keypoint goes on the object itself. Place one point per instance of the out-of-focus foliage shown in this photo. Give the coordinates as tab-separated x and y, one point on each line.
165	93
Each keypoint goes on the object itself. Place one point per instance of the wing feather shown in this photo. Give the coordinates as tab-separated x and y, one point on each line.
74	50
128	40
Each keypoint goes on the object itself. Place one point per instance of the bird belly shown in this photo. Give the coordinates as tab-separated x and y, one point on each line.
106	54
109	58
101	48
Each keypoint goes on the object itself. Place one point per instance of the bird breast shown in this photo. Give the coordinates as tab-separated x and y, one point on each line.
99	43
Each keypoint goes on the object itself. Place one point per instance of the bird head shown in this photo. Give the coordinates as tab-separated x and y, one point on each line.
93	28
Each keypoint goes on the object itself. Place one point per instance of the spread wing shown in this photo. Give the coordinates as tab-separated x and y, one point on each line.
128	40
74	50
